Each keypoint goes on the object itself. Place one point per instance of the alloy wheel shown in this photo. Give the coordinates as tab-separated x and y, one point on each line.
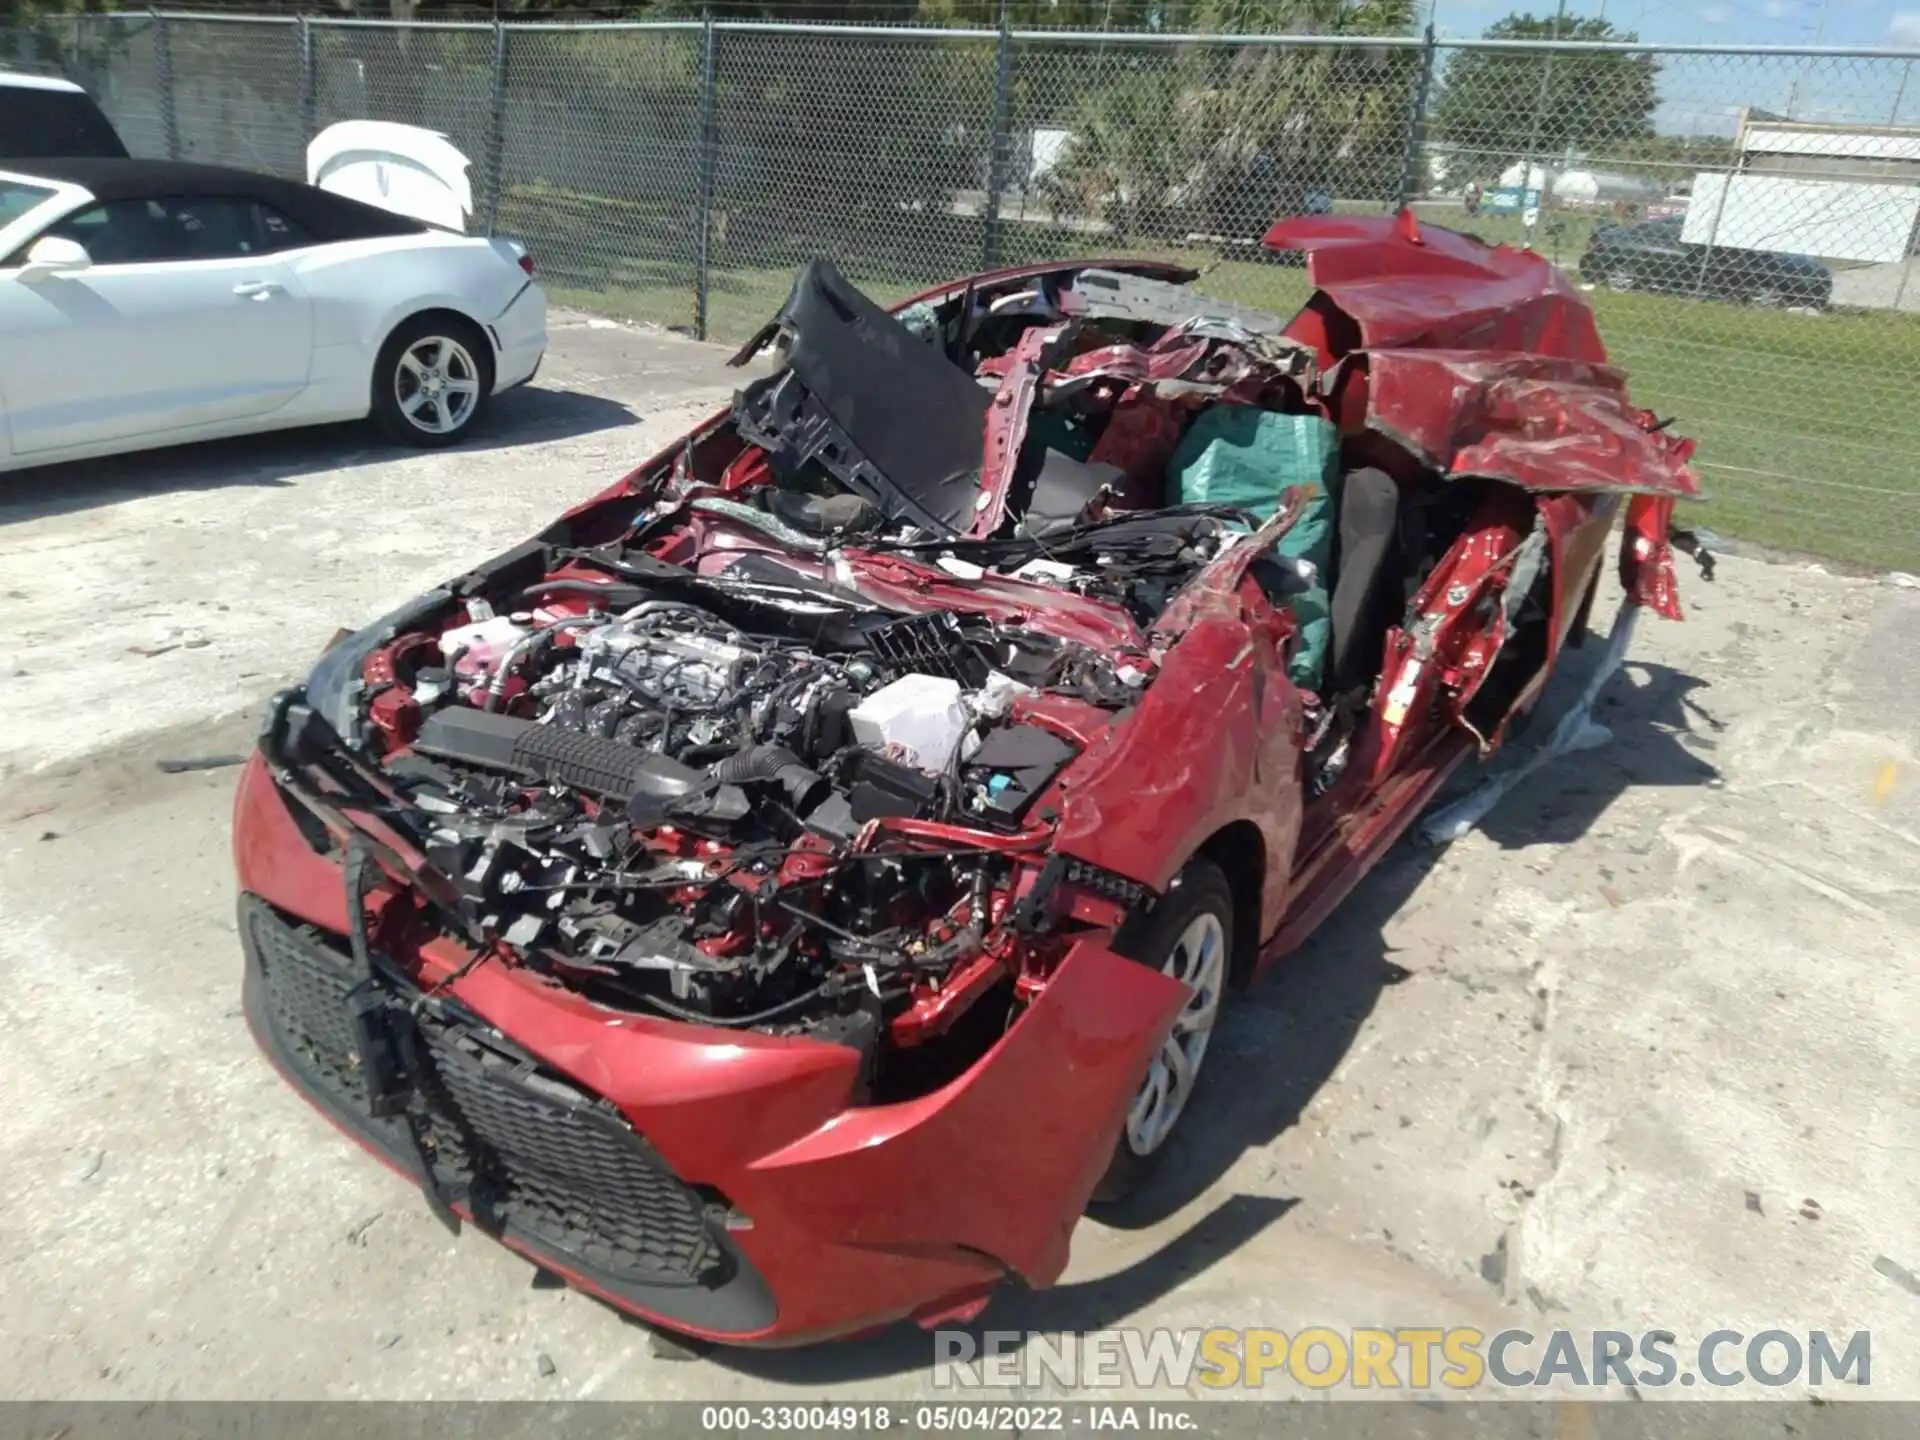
437	384
1199	959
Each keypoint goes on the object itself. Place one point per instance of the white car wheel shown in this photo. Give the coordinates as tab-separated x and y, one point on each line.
432	381
437	385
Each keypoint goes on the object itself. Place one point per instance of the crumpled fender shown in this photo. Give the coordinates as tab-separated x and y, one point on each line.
1214	741
1541	422
1003	1159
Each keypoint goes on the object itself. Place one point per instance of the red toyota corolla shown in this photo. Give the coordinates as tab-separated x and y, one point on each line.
781	894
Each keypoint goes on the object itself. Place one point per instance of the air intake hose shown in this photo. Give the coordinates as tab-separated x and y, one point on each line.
777	765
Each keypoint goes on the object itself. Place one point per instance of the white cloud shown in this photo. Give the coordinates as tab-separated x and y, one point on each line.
1904	28
1777	9
1717	14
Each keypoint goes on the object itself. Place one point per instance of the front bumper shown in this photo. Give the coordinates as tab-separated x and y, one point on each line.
502	1140
716	1182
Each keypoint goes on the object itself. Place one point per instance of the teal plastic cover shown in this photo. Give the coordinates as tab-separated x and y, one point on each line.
1247	457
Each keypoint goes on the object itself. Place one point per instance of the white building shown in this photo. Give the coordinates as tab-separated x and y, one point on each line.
1769	145
1842	192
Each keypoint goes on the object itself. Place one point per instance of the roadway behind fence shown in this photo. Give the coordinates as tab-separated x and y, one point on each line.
678	172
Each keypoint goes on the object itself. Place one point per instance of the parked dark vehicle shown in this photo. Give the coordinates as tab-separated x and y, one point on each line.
42	117
1652	256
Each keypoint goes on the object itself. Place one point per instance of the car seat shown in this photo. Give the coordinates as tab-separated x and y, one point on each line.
1366	597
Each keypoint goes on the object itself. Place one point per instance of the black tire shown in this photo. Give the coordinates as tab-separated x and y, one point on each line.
1200	891
450	410
1622	282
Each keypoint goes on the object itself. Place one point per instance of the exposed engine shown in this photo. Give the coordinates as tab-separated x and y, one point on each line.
777	743
714	819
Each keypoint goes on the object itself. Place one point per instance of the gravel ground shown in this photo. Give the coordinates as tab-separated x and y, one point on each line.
1639	1052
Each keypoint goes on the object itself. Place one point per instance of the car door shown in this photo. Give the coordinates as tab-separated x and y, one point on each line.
1733	273
1661	260
187	317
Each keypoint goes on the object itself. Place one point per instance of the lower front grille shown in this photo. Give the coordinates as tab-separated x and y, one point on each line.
561	1166
529	1151
306	989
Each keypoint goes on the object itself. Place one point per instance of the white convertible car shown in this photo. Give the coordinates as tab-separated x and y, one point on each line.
147	303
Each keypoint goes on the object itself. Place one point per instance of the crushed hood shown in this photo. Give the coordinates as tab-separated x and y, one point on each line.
1482	359
403	168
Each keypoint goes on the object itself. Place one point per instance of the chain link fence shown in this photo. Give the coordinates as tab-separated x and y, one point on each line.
1747	220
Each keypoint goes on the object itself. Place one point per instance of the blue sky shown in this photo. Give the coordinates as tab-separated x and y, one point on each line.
1755	22
1704	95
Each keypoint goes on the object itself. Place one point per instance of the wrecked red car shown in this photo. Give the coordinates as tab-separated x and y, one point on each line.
780	895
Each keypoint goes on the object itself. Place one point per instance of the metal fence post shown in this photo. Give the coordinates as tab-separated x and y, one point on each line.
84	49
309	100
497	124
1417	124
709	166
1000	157
169	109
1713	233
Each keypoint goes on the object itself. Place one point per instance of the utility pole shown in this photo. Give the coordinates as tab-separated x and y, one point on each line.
1531	213
1793	91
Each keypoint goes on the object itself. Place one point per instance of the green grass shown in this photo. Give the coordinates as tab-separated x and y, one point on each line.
1809	425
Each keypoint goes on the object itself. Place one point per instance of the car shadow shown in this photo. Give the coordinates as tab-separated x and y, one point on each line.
1664	731
1280	1041
1095	1304
526	416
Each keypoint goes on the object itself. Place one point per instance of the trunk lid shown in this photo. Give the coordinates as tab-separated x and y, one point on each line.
403	168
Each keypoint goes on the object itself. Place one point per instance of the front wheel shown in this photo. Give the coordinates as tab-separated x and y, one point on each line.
1189	936
432	381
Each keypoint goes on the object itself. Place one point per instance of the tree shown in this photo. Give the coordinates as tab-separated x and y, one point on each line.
1496	107
1222	138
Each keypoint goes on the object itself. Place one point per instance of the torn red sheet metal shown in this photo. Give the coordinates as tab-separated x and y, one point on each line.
1646	556
1178	365
1240	371
1532	420
1006	422
1141	436
1478	359
1407	287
